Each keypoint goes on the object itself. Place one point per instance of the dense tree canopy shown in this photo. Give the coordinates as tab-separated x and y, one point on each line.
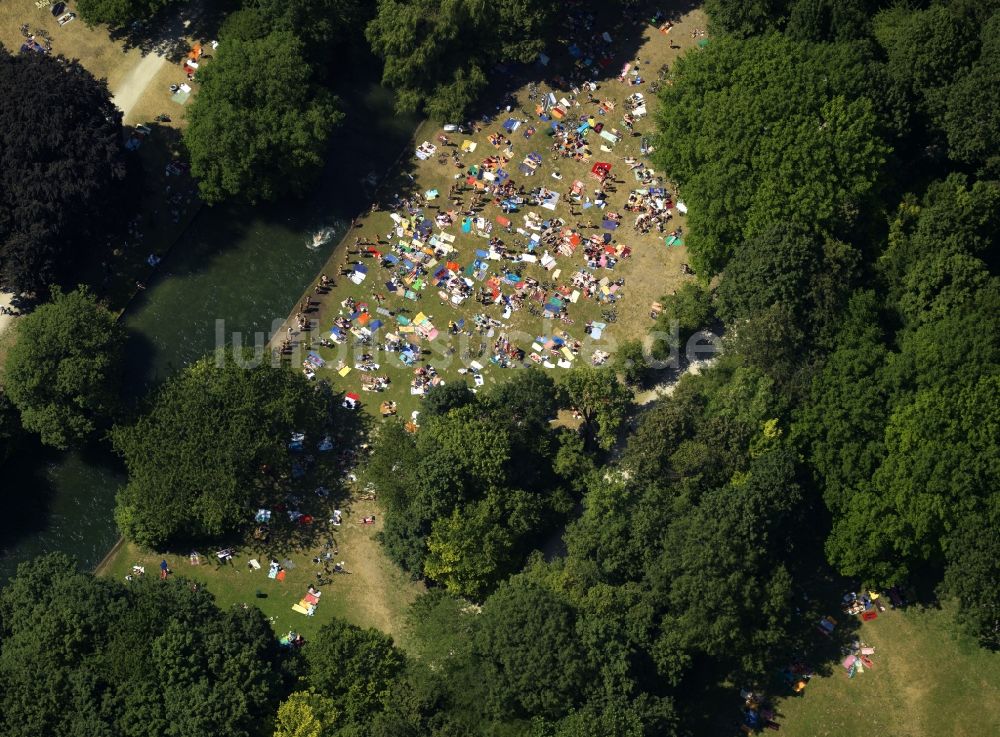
769	131
306	714
972	108
259	126
527	645
473	490
86	655
353	666
62	167
438	53
684	313
210	445
120	13
440	400
901	431
64	371
600	399
327	28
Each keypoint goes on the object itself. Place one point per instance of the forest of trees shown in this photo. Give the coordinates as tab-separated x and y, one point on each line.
845	193
839	160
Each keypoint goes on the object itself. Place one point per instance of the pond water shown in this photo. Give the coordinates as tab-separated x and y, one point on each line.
245	266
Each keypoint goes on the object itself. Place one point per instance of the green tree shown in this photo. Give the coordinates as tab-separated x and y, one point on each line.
769	130
954	217
808	274
354	667
841	424
10	427
326	27
685	312
64	370
775	268
631	363
840	21
739	401
306	714
390	468
195	457
482	543
120	13
771	341
742	19
531	659
660	431
647	716
436	52
940	460
727	554
259	126
529	399
603	533
440	480
603	403
86	655
926	49
941	351
971	117
972	551
443	398
572	462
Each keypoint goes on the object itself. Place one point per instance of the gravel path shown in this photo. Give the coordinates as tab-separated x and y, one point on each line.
132	87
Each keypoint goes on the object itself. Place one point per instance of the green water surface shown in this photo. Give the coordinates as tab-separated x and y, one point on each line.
246	266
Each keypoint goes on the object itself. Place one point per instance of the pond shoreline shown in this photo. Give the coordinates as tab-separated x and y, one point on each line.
107	562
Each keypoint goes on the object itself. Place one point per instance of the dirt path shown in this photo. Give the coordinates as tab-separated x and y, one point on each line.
5	320
132	87
666	388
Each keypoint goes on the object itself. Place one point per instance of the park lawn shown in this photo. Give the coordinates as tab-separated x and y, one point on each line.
372	593
928	681
653	270
157	99
104	58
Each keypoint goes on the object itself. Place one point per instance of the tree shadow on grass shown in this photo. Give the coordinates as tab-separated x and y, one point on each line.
302	508
579	52
167	32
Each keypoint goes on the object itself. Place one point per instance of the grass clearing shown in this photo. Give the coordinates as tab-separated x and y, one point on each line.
652	271
372	593
928	681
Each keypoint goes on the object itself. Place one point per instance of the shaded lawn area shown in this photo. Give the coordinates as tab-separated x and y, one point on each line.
372	593
103	57
928	681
